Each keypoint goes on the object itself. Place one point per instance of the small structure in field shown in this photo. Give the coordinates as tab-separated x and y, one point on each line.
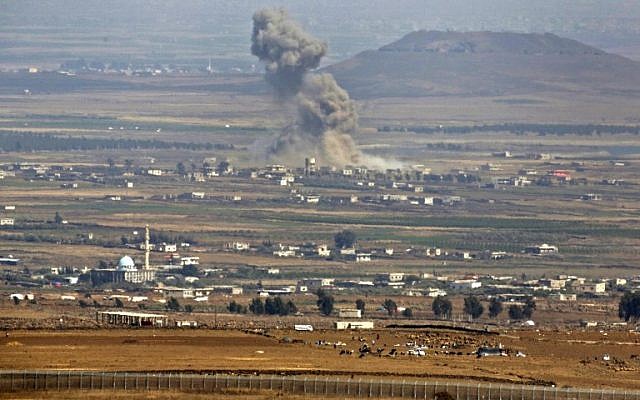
343	325
128	318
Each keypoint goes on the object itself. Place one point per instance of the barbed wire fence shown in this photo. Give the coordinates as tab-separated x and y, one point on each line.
327	386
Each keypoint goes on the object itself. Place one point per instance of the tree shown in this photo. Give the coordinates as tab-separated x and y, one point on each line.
442	307
237	308
118	303
16	300
223	167
360	305
188	308
291	307
256	306
473	307
180	169
173	304
629	307
529	307
57	218
407	312
189	270
515	312
325	302
495	307
390	306
345	239
272	306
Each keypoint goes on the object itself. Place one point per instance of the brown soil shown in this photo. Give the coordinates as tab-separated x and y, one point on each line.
565	359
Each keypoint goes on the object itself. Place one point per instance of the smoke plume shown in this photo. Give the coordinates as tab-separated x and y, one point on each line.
326	116
286	49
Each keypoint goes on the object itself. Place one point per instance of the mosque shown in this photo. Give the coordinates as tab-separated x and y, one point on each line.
126	271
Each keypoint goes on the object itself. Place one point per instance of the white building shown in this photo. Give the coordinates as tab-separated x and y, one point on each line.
591	288
465	284
342	325
154	172
6	221
349	313
323	250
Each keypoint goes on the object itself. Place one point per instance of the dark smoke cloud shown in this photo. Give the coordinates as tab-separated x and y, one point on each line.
326	115
286	49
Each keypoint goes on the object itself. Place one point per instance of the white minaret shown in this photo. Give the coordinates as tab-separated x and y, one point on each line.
146	246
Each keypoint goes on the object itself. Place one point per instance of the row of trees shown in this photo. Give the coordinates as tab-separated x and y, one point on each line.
443	308
28	141
521	129
272	306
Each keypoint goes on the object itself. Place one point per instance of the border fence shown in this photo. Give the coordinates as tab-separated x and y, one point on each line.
326	386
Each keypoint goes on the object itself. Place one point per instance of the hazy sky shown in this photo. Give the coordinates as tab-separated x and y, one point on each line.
201	28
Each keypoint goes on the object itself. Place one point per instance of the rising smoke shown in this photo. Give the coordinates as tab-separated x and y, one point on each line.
326	115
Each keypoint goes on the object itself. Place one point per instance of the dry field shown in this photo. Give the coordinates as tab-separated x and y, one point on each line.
572	358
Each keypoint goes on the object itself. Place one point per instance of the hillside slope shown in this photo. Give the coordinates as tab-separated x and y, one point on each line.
431	63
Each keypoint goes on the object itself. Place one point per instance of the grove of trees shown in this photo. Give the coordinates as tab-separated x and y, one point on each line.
629	307
473	307
495	307
271	306
442	307
345	239
325	302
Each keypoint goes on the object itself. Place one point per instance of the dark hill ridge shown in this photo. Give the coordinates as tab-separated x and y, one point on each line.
429	63
489	42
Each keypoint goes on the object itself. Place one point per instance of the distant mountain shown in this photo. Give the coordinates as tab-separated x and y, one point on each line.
431	63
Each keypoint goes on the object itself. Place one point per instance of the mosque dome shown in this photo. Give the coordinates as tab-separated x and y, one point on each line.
126	262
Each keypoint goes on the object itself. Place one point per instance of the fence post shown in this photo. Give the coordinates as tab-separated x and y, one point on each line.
114	380
125	381
80	380
478	391
425	392
489	391
415	389
326	386
271	383
315	386
35	381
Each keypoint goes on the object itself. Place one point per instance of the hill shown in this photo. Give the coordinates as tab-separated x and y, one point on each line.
432	63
